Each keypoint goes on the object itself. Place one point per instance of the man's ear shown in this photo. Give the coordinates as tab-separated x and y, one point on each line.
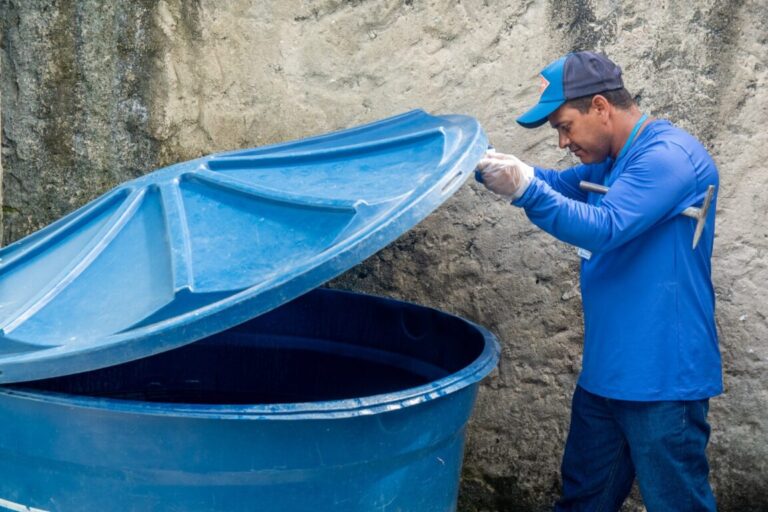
601	105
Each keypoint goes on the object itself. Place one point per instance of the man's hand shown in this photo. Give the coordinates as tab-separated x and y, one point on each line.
505	174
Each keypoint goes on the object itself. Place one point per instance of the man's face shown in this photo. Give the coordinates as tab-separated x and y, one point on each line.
585	135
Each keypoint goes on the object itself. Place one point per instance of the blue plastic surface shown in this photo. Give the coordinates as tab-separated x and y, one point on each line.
201	246
333	402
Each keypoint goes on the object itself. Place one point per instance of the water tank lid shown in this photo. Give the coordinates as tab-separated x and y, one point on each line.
195	248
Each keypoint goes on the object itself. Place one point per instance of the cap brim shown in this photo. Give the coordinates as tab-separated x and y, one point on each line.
538	115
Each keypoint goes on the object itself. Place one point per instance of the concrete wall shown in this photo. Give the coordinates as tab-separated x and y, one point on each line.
1	171
94	94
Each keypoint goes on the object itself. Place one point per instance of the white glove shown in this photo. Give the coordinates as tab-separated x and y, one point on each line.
505	174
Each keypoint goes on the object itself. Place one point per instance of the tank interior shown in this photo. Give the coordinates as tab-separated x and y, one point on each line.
325	345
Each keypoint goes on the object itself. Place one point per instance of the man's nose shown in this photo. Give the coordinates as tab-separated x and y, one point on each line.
564	141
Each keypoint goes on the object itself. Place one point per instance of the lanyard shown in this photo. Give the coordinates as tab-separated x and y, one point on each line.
631	138
607	180
583	252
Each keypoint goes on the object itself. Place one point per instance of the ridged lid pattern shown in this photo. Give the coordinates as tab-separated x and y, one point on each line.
197	247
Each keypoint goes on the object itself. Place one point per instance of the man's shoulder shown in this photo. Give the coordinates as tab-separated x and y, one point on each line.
673	148
665	135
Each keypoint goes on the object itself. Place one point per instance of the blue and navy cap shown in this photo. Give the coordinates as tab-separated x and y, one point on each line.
573	76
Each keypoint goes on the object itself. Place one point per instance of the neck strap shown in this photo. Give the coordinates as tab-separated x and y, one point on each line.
632	136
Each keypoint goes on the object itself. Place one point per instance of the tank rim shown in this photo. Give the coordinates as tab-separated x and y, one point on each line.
471	374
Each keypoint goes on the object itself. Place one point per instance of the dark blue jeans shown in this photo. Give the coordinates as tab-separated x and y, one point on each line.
612	441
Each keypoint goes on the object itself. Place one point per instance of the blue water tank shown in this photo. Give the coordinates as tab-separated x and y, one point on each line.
166	348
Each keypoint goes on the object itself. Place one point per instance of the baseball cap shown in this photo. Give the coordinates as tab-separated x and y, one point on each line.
573	76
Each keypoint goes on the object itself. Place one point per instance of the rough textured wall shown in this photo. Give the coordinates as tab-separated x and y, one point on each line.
75	77
94	94
1	170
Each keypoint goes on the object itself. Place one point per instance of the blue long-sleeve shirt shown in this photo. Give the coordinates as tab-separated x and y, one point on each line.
649	328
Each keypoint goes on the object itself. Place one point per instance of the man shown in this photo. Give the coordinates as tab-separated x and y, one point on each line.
651	359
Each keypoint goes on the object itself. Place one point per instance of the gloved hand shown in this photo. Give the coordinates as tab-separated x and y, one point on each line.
504	174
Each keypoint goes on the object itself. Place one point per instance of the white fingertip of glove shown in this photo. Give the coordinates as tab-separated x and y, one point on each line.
492	153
